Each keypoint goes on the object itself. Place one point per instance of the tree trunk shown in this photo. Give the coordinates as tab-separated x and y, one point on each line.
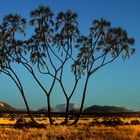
49	110
27	107
82	102
44	90
19	86
67	112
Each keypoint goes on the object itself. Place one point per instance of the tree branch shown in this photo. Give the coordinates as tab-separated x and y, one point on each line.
103	64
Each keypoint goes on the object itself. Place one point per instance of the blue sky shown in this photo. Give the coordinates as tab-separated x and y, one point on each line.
117	84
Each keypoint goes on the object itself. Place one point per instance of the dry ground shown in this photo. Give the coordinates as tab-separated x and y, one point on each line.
87	129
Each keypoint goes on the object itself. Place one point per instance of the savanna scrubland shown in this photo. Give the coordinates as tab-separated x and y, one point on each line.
49	52
98	128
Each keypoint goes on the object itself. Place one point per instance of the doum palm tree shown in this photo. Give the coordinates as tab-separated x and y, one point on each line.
102	46
57	45
9	49
37	48
66	32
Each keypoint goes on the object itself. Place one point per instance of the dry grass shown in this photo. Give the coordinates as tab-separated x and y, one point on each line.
84	131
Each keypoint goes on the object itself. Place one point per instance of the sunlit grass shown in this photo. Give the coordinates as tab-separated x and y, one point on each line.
7	121
85	130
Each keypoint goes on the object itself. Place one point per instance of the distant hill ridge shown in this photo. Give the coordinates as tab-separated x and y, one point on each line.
73	108
6	107
105	109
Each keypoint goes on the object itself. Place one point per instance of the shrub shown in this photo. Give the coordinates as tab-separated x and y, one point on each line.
112	122
135	122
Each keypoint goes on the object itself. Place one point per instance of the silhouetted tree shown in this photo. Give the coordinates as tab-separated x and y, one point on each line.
102	46
56	45
37	48
67	32
53	41
9	47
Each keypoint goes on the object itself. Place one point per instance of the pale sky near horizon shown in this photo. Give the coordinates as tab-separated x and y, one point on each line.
117	84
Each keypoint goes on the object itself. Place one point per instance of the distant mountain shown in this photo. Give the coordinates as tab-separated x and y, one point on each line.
105	109
6	107
44	109
62	107
72	108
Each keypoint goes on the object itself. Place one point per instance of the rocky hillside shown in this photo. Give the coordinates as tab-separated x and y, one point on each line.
62	107
6	107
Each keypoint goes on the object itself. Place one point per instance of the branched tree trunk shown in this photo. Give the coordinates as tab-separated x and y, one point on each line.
82	102
44	90
48	98
19	86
